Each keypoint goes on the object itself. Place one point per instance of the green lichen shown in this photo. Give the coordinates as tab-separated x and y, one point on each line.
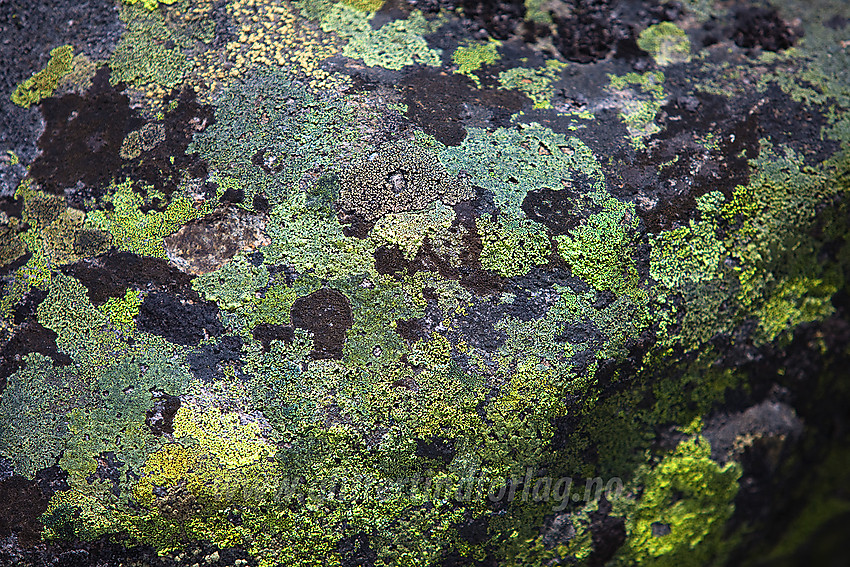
534	83
666	42
148	54
600	250
266	116
401	41
512	161
470	58
236	284
640	95
511	247
42	84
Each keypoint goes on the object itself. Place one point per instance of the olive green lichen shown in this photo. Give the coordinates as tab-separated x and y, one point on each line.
401	177
42	84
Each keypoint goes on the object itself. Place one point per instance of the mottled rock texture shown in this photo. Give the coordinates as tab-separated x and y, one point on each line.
424	282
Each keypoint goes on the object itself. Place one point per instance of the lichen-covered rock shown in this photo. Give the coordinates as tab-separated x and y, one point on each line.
420	282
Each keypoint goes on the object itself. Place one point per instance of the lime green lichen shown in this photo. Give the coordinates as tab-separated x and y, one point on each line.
42	84
641	96
401	41
534	83
511	246
142	233
692	496
123	310
365	5
600	250
666	42
470	58
538	11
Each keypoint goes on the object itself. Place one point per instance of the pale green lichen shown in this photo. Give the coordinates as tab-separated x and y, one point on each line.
666	42
401	40
535	83
640	97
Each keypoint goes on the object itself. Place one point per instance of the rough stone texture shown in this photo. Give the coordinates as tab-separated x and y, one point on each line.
425	282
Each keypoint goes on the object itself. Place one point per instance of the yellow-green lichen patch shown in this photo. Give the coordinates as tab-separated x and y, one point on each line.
511	247
470	58
150	4
680	516
600	250
42	84
139	232
666	42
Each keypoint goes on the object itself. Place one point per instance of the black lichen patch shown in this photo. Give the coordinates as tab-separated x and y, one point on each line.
29	31
52	480
608	533
327	314
160	418
108	470
204	245
438	102
111	274
560	210
355	551
80	147
595	29
437	448
32	336
205	364
666	196
761	26
164	164
268	332
180	321
21	504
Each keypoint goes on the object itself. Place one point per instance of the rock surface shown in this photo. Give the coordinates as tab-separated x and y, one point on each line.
424	282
